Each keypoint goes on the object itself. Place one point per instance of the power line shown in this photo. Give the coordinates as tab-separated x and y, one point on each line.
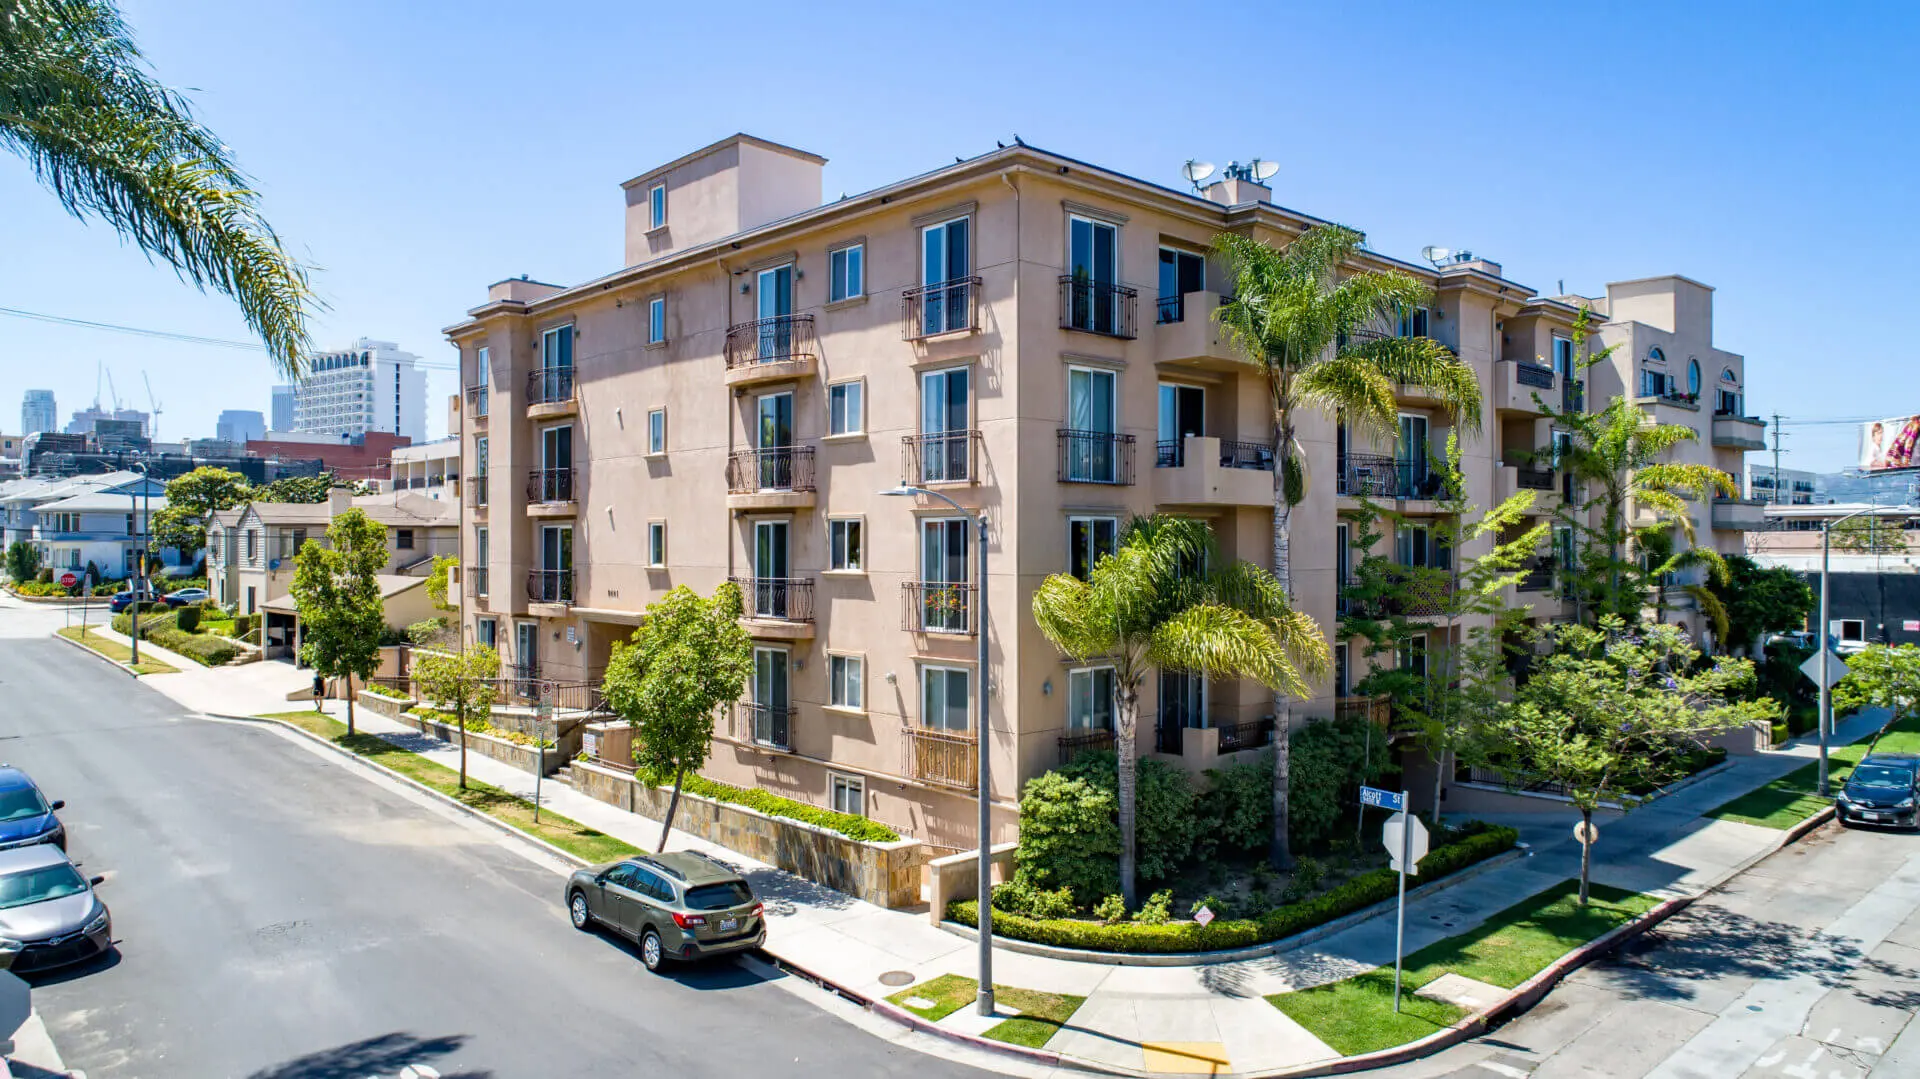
167	335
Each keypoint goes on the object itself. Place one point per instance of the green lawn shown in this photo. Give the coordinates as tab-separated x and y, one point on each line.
570	836
115	650
1795	796
1041	1014
1356	1015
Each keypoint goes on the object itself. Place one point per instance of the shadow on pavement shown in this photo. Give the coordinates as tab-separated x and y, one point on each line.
370	1057
105	961
1717	943
720	972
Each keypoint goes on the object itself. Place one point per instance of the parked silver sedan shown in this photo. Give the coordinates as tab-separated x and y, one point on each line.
50	909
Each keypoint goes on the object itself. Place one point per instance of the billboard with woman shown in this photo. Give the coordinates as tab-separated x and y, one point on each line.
1890	444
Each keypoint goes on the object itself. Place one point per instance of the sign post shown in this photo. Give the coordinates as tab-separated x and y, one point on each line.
1405	839
1824	669
543	717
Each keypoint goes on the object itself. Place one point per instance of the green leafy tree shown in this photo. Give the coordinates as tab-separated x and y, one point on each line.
1609	710
464	683
1883	675
23	561
1868	535
438	581
1662	560
337	594
1760	599
688	660
114	145
307	490
1319	333
1147	605
191	499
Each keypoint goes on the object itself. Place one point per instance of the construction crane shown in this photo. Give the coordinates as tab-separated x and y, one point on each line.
112	394
153	429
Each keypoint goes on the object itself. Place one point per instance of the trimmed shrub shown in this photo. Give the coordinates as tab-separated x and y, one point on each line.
1237	810
1069	836
1327	759
425	630
1111	910
1167	830
860	828
187	619
205	650
1157	910
241	624
1136	937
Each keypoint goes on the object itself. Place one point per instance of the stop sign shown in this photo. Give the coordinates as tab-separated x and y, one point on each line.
68	580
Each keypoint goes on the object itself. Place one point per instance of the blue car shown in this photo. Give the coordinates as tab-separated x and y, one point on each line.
26	817
124	599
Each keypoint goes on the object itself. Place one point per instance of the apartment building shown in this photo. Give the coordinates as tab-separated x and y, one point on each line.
1027	334
1784	486
251	548
370	386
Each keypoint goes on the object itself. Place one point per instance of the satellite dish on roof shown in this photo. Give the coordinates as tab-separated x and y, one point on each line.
1196	171
1435	255
1264	170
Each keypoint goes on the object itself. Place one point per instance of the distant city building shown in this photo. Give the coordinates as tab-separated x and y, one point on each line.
358	457
370	386
283	407
1785	487
38	412
85	419
429	467
240	426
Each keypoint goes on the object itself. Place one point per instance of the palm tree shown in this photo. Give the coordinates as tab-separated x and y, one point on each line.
1314	334
1664	557
77	102
1156	601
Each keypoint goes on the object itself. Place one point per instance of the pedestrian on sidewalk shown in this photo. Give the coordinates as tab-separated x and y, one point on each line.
319	691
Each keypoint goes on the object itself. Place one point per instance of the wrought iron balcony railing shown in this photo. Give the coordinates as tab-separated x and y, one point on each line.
942	307
781	468
783	599
1100	307
780	339
945	457
1096	457
937	607
767	725
550	586
550	485
549	385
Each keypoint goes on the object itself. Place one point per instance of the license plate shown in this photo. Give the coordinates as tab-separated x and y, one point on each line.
729	923
1876	816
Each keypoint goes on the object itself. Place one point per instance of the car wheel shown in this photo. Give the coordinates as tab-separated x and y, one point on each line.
577	911
652	952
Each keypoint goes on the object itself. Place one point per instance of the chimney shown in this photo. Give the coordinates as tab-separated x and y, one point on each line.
339	500
1234	191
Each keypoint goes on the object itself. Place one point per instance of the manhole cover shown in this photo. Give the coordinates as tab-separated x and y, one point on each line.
896	978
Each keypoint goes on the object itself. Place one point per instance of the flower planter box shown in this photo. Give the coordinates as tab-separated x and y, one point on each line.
380	704
525	758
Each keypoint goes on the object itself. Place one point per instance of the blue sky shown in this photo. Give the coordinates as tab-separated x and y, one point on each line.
415	152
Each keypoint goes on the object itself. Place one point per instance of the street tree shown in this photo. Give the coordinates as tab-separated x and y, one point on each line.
1322	336
463	683
1869	535
1761	599
337	595
113	144
688	660
1158	601
23	561
191	499
1883	675
438	582
1610	710
308	490
1661	563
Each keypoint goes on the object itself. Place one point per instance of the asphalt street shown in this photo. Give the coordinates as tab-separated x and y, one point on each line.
281	916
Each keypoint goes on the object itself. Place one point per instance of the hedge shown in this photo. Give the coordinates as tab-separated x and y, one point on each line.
384	693
1360	892
860	828
209	651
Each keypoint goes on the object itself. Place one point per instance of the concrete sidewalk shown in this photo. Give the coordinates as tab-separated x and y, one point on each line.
1176	1018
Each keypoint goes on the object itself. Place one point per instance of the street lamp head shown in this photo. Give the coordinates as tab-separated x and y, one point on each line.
898	492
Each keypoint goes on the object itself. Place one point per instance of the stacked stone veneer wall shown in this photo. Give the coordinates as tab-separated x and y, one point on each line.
386	706
885	874
525	758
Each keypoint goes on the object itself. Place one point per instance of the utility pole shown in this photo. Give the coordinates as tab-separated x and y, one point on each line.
1776	461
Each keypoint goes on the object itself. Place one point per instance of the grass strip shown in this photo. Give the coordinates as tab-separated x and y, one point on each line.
569	835
1795	796
1041	1014
1356	1015
114	650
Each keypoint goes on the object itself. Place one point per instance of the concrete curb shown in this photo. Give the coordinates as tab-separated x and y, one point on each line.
1252	951
125	668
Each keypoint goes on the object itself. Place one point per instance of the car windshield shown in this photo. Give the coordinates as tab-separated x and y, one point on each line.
21	803
40	885
1880	775
731	893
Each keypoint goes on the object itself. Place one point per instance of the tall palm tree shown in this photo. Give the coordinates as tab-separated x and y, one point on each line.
1313	332
77	102
1158	601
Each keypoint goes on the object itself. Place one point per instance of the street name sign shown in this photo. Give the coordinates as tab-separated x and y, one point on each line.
1379	799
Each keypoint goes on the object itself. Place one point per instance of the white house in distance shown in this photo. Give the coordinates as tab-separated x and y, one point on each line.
102	528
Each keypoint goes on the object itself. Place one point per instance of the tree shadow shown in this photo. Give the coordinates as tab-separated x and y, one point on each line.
385	1054
1717	943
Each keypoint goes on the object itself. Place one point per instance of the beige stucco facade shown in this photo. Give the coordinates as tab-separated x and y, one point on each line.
618	452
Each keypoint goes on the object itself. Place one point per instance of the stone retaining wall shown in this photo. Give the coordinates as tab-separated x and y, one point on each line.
522	757
885	874
386	706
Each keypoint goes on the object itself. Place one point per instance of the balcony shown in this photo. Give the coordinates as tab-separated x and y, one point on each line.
1201	747
1536	575
943	758
1517	384
1739	514
1202	471
1671	406
478	398
1510	480
777	607
477	491
476	580
550	586
1381	476
1739	432
940	607
776	349
550	492
767	725
770	479
1083	741
947	457
1096	457
1185	332
1098	307
550	393
941	308
1375	710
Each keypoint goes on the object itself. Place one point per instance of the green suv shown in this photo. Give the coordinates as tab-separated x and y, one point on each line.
677	906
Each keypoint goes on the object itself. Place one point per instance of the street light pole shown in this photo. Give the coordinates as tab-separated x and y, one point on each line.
983	871
1826	691
139	570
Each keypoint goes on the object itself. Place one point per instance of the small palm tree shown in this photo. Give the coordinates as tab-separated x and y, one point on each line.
1157	602
1314	332
77	102
1664	557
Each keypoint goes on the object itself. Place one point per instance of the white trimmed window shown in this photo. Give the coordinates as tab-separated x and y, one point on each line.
657	431
656	544
656	206
846	273
656	320
846	408
945	698
847	676
849	795
1090	698
845	544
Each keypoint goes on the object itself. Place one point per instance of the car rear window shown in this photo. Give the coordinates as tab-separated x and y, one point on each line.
731	893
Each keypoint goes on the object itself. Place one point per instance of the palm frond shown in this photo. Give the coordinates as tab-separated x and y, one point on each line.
1353	386
1223	643
1711	607
1422	361
1069	614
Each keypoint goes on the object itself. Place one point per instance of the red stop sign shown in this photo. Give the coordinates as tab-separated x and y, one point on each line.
68	580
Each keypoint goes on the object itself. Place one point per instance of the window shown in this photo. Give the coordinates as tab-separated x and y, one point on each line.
847	676
844	542
556	347
1652	383
403	539
945	260
1849	629
1092	453
1340	670
657	431
944	698
656	320
1413	655
252	542
482	555
945	416
846	413
486	631
1693	377
1181	272
130	528
1089	539
1090	699
657	544
656	206
1413	322
850	795
1654	355
844	273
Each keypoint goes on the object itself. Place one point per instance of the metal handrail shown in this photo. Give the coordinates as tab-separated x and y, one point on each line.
1252	734
478	400
1532	374
938	607
951	306
550	485
550	586
780	468
1095	457
783	599
941	757
1101	307
767	724
779	339
549	385
945	457
1086	741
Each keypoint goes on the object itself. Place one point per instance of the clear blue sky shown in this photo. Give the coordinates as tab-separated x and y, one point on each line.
415	152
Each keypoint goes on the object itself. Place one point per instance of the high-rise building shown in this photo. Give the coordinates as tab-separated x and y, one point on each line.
283	407
85	419
368	386
240	426
38	412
